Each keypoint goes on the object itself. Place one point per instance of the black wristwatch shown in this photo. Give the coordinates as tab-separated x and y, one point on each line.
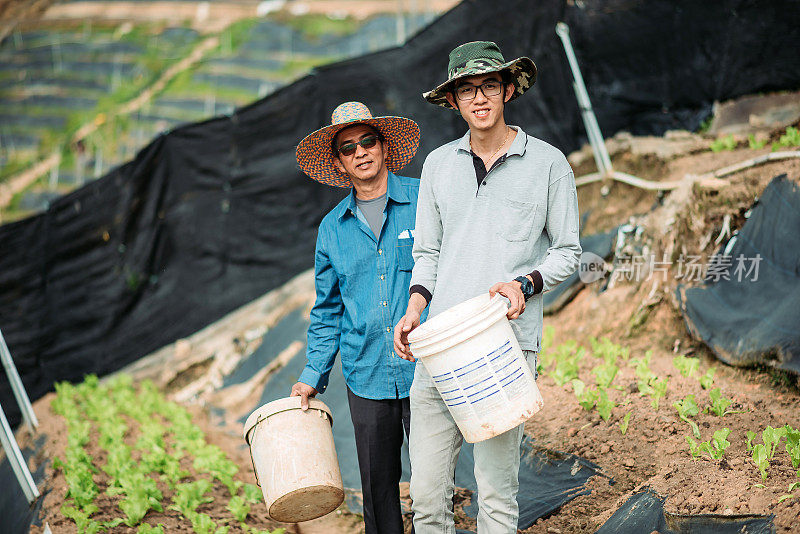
526	286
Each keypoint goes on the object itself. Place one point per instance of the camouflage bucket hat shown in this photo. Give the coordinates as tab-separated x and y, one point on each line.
481	57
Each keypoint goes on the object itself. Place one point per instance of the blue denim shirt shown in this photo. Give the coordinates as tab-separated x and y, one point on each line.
362	292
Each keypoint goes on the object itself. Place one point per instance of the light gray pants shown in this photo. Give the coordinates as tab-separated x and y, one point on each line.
434	444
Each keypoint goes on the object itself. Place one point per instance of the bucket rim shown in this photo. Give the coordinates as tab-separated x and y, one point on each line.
421	333
282	405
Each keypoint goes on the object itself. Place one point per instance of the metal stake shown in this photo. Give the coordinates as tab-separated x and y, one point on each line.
16	460
587	113
17	386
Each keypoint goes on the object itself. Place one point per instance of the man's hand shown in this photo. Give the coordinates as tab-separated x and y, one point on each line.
304	391
406	324
511	291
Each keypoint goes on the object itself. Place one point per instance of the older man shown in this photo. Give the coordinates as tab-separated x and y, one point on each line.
363	266
497	212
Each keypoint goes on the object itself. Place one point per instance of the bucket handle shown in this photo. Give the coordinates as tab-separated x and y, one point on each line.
252	460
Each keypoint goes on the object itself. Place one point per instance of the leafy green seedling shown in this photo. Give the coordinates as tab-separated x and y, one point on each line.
707	380
81	519
238	508
203	524
586	397
604	405
687	366
723	143
718	403
772	438
754	143
623	426
718	444
694	447
144	528
252	493
188	496
688	408
604	374
659	390
790	138
761	459
567	366
793	445
750	437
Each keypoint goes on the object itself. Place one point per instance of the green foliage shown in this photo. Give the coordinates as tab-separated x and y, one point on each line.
687	366
750	437
754	143
688	408
707	380
605	373
604	405
723	143
188	496
716	447
643	373
760	457
133	471
586	397
238	508
790	138
313	26
793	445
694	447
608	351
568	356
144	528
772	438
85	524
203	524
623	426
252	493
658	392
719	404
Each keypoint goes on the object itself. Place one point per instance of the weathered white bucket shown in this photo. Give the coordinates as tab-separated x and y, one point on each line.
295	459
475	361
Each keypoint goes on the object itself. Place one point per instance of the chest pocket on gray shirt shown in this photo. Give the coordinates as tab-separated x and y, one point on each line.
515	219
405	261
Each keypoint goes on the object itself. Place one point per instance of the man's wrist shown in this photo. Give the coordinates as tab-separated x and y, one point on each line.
417	302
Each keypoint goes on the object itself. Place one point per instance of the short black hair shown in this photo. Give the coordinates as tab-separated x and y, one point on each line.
335	147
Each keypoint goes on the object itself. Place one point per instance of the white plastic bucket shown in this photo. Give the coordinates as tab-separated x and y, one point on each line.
295	459
478	368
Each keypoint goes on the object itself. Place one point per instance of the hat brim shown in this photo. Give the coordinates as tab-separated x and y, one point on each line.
315	156
522	71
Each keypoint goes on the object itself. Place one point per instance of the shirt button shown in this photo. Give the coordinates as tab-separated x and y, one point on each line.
382	277
380	251
385	302
388	328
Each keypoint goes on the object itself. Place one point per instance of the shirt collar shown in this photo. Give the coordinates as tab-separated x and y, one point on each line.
394	191
517	147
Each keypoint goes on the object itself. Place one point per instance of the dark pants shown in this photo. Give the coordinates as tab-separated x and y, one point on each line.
379	426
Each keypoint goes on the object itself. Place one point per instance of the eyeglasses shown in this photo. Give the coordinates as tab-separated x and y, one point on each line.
488	88
348	149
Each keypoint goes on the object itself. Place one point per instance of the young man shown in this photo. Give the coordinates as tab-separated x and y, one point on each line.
363	268
497	212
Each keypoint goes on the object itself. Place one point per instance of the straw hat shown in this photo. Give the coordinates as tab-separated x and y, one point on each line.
482	57
315	155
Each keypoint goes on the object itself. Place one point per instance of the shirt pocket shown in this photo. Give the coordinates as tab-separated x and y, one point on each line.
405	261
515	219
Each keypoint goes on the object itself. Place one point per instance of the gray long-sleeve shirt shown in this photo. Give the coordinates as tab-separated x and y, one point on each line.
522	217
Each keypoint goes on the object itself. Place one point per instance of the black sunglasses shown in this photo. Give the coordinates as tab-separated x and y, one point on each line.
348	149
